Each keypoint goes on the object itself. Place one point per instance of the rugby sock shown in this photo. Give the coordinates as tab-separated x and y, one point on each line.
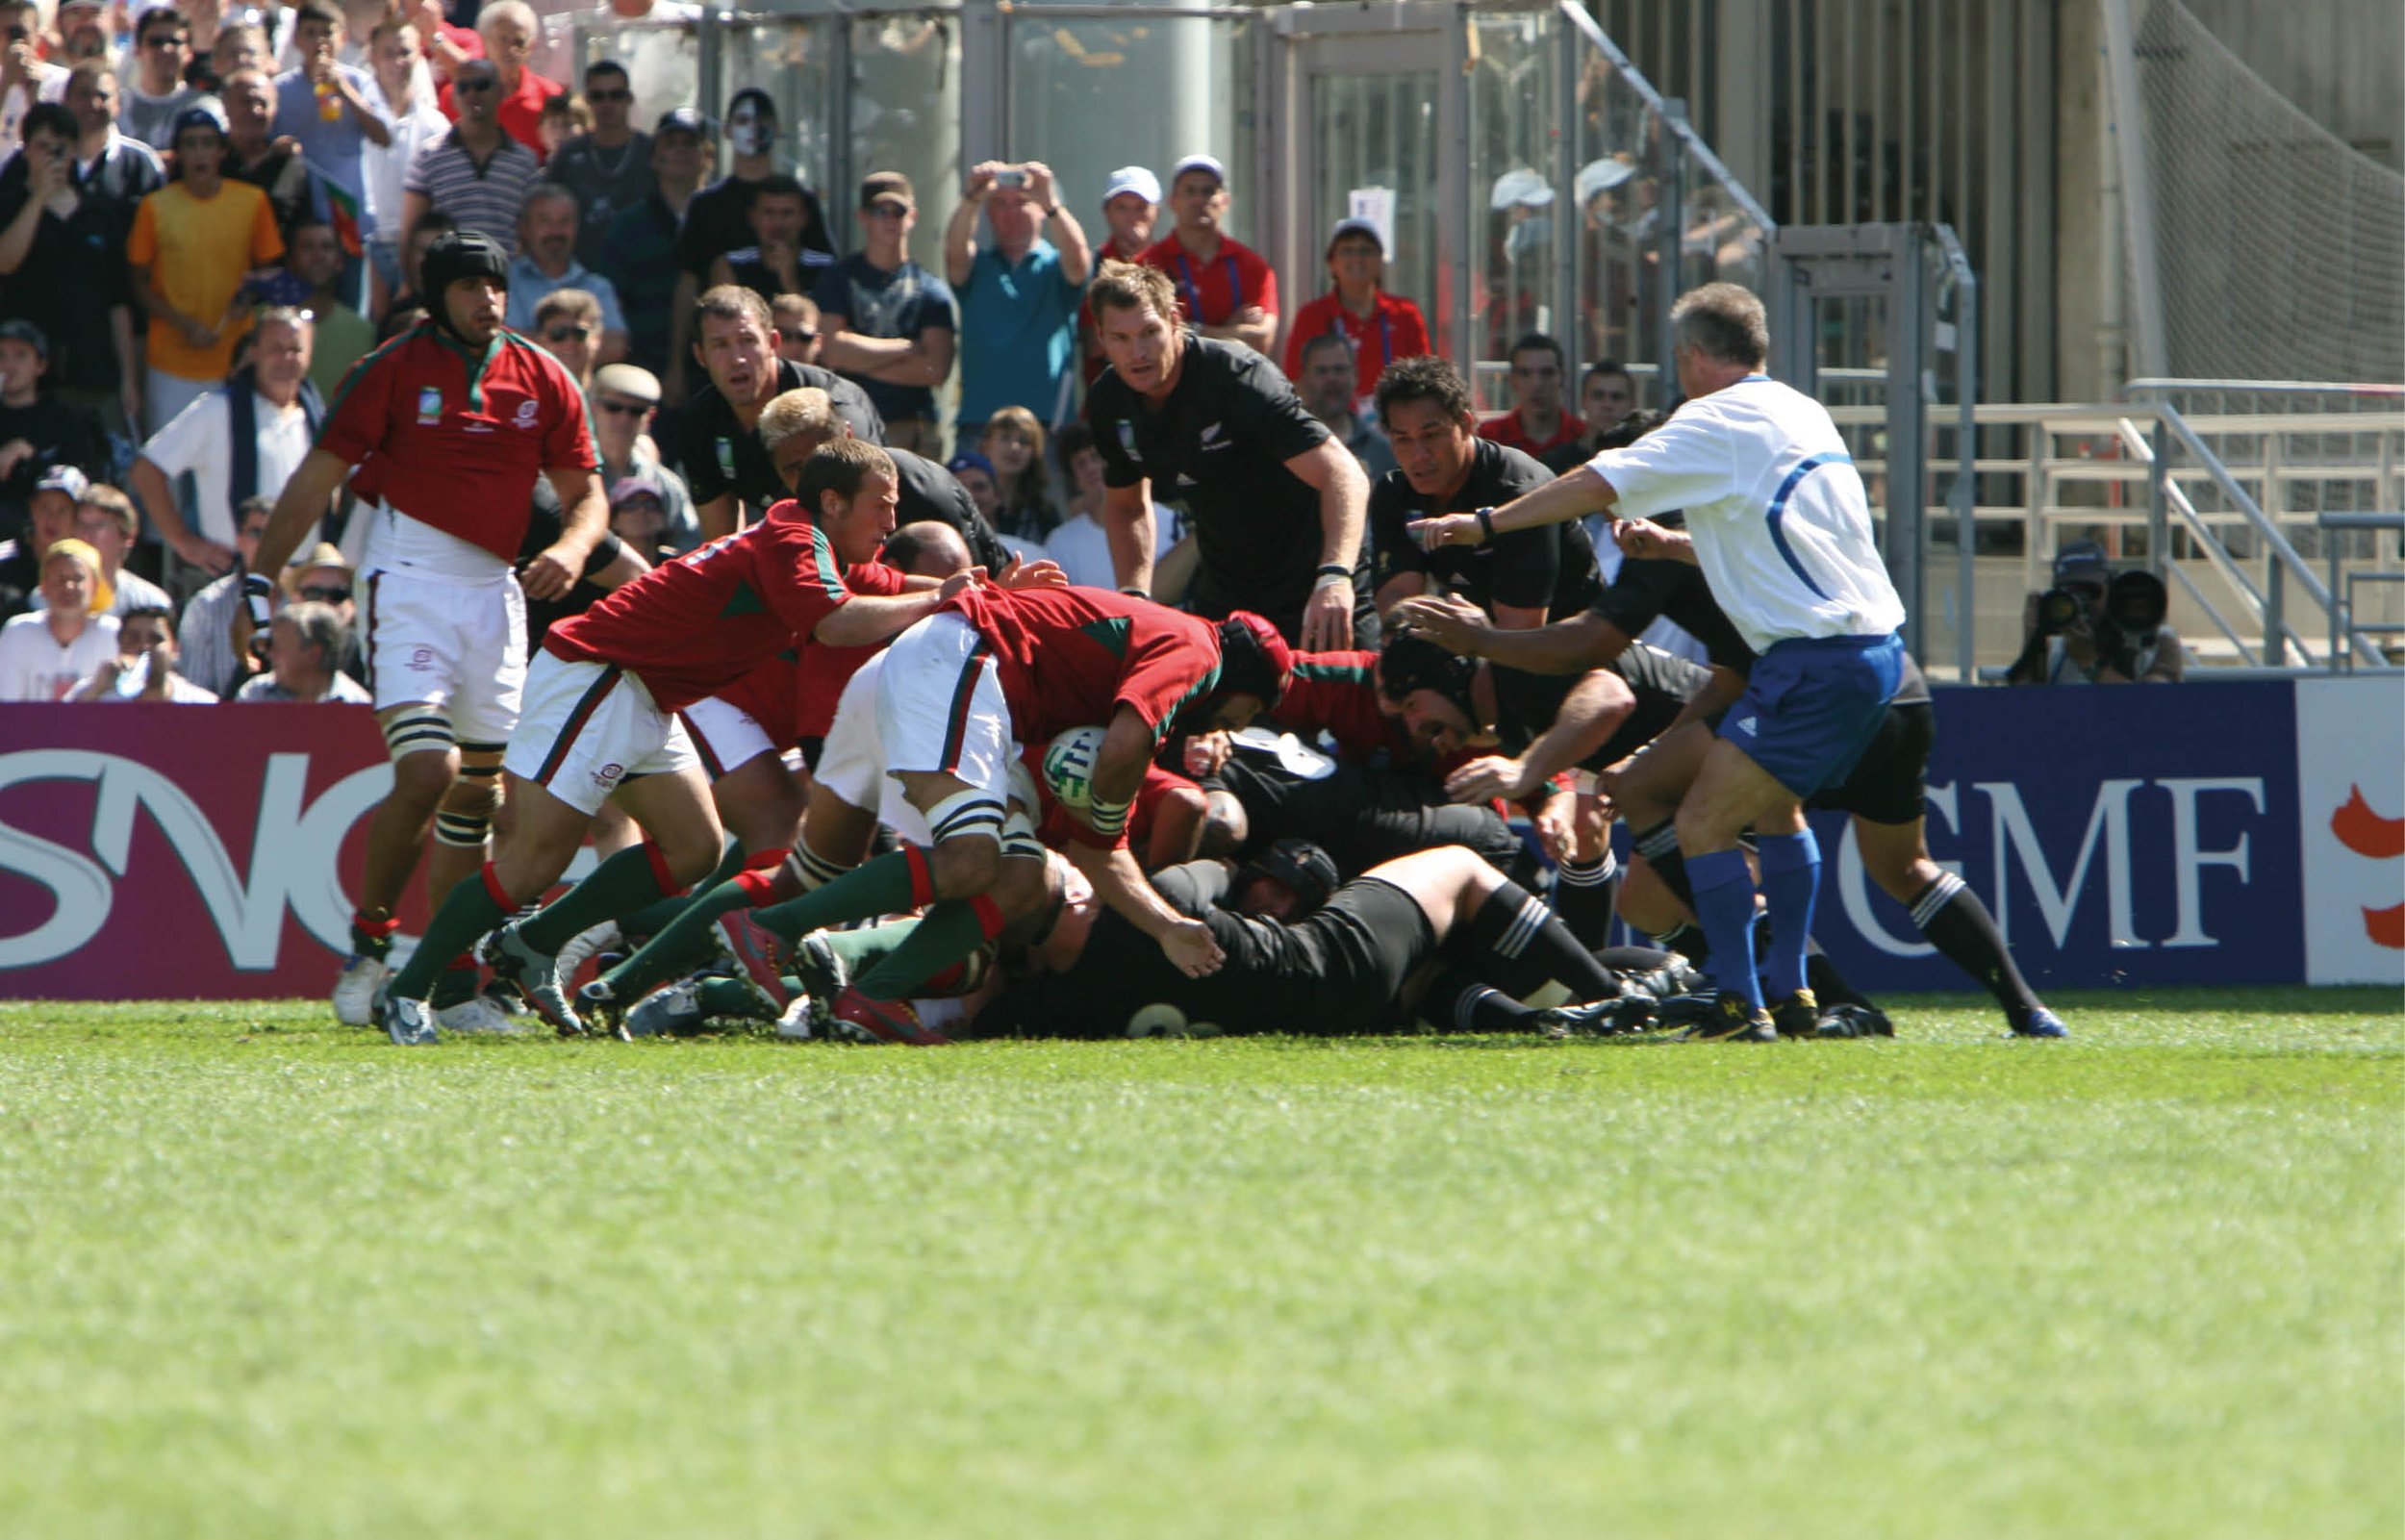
373	938
1517	945
1790	882
627	881
1724	903
1458	1003
653	917
945	935
732	996
1958	924
473	908
683	943
1687	938
1584	896
1659	846
456	984
887	885
1829	987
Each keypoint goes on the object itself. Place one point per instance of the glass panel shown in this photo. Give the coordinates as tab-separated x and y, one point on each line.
905	116
1375	132
662	62
1514	107
1721	242
794	62
1849	341
1618	198
1088	95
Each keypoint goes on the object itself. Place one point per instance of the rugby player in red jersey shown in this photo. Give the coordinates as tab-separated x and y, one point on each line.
942	713
600	721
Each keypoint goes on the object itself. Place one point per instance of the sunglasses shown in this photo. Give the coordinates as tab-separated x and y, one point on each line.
566	334
887	210
800	333
610	96
171	45
479	85
621	408
326	595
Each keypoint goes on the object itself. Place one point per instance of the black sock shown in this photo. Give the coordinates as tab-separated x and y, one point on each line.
1659	846
1958	924
1585	896
1687	938
1456	1003
1829	986
1518	944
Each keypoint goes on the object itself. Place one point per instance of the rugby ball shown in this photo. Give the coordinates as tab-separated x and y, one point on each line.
1069	762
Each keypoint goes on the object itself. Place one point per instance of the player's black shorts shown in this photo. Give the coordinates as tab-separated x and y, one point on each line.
1360	946
1889	783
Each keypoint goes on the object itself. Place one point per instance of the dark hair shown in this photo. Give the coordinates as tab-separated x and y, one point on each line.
1609	365
250	505
1631	428
436	221
780	186
840	465
1322	342
148	612
733	302
1070	441
316	10
1425	378
55	116
1535	342
607	67
159	16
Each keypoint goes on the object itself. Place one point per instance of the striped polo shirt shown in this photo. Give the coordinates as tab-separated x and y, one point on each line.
485	197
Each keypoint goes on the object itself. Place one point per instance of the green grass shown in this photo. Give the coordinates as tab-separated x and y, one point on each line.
263	1277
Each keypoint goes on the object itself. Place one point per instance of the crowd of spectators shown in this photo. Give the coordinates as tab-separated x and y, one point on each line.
208	215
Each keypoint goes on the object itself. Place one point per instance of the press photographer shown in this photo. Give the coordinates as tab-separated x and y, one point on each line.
2094	627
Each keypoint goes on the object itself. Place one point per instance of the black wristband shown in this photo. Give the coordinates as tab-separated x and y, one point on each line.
258	597
1334	569
1486	523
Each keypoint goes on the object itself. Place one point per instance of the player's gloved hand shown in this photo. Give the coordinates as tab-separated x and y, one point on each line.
1327	616
1453	623
1190	946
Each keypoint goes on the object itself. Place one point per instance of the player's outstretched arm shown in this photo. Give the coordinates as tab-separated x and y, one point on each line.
1100	851
867	618
1575	496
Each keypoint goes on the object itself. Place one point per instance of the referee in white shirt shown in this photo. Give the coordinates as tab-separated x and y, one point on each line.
1778	521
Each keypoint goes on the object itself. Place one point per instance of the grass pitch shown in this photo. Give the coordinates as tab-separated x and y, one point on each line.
260	1277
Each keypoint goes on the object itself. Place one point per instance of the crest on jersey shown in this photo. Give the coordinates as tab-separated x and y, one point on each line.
726	458
526	410
1127	440
430	406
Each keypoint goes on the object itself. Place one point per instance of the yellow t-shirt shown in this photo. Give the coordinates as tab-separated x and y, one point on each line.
198	251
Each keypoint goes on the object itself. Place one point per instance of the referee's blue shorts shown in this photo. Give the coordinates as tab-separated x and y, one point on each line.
1812	704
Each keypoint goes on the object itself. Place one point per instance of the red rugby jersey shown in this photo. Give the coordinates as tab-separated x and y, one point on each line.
1071	657
1337	692
692	627
454	439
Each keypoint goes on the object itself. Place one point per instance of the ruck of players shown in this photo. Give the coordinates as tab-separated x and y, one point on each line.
1407	754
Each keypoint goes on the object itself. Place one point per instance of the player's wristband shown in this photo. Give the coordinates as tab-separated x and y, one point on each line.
258	597
1331	574
1135	593
1486	523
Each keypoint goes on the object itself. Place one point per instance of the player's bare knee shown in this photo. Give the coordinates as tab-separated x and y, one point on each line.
424	780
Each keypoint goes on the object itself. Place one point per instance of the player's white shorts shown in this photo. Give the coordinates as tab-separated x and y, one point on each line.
725	735
453	642
861	752
588	726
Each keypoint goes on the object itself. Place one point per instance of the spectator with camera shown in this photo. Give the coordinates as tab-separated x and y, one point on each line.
2096	628
1019	293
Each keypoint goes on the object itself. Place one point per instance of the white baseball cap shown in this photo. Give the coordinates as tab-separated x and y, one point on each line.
1133	179
1520	187
1601	176
1357	227
1198	162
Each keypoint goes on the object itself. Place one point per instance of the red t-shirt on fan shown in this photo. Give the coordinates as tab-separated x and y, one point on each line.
692	627
1210	293
1071	657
